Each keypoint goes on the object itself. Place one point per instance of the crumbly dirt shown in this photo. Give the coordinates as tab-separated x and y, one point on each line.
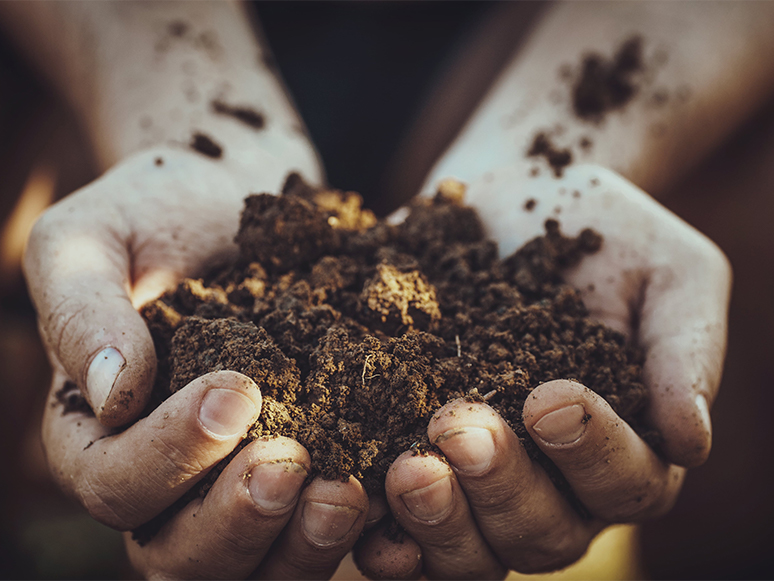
557	158
357	331
604	84
205	145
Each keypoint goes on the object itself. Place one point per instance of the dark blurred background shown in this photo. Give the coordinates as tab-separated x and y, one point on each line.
361	74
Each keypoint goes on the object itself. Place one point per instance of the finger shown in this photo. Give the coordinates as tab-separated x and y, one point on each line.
384	553
325	525
527	522
616	475
674	287
127	478
78	272
683	331
428	502
377	510
228	533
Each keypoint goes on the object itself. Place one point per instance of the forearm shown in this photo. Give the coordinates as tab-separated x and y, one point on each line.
148	74
702	69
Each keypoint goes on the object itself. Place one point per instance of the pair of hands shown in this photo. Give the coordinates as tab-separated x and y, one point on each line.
106	249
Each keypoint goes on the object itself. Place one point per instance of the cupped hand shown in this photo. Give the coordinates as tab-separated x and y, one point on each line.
93	258
120	241
258	502
657	280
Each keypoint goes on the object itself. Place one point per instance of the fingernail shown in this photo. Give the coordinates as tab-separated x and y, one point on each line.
469	449
703	407
562	426
431	503
102	374
275	485
326	524
226	413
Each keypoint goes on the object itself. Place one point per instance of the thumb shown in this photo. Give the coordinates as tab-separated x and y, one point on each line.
77	266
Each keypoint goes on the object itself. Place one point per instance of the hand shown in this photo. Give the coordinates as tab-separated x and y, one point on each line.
91	259
657	280
120	241
257	502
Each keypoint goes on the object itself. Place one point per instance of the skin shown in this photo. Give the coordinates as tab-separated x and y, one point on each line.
125	238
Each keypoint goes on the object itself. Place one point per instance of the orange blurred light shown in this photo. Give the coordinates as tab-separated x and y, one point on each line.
37	195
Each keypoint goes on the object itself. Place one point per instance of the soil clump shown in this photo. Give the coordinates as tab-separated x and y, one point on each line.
605	85
357	331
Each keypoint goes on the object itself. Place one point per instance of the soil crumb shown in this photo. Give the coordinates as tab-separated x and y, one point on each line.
71	399
246	115
530	204
357	331
206	146
606	85
558	159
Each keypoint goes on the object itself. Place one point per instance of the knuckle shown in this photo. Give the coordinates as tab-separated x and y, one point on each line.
106	505
491	497
639	502
63	327
551	553
180	463
235	543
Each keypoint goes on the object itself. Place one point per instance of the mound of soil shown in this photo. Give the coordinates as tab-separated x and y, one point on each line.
357	331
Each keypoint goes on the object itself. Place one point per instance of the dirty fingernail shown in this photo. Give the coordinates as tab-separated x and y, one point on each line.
275	485
226	412
326	524
469	449
431	503
102	374
562	426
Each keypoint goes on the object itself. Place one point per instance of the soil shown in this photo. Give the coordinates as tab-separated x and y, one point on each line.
557	159
357	331
605	85
206	146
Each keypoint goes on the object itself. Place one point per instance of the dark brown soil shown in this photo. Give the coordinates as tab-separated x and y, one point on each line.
357	331
557	159
605	85
206	146
71	400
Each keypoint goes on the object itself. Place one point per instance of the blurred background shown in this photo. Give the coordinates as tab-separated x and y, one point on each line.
361	74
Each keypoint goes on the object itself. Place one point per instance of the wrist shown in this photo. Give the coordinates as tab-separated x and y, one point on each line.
186	76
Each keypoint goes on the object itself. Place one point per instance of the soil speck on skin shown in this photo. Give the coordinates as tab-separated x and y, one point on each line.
534	172
177	28
357	331
585	143
557	158
159	161
246	115
69	395
530	204
206	146
576	194
606	85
